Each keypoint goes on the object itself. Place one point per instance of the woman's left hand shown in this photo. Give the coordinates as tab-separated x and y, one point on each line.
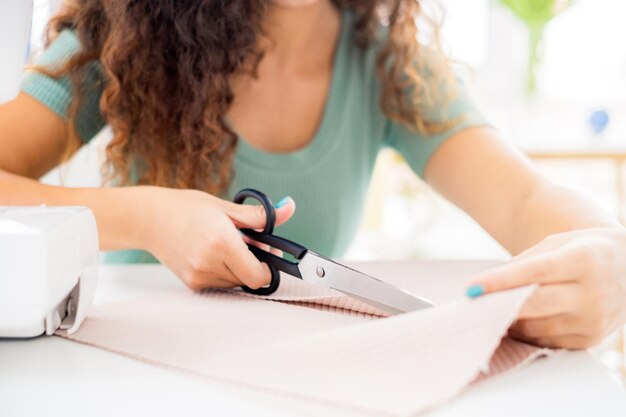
582	287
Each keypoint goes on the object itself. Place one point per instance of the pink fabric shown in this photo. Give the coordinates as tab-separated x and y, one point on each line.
338	358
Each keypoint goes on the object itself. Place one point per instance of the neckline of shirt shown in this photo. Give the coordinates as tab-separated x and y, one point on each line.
322	143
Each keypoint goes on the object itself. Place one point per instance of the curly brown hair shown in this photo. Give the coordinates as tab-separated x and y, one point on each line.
167	67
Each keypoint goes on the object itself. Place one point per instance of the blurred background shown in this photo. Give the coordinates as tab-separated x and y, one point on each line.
550	75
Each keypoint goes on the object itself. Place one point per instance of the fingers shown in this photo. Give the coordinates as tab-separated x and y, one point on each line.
219	277
570	341
567	341
254	217
539	269
550	300
245	215
558	325
225	256
262	246
236	269
245	265
214	253
284	210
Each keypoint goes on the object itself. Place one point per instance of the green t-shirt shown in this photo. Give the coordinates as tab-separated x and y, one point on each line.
328	178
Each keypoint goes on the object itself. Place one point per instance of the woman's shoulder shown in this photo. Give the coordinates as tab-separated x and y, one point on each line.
56	93
62	48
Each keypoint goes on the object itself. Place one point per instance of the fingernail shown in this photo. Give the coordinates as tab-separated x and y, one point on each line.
475	291
281	203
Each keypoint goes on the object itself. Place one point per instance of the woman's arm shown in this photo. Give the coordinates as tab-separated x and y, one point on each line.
32	138
505	194
192	232
563	241
32	142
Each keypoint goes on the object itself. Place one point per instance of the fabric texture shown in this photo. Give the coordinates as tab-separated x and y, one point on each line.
329	177
338	358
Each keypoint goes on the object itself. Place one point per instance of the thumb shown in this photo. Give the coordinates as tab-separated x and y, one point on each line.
284	210
253	216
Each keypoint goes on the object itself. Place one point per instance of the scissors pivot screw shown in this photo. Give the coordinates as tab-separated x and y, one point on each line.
320	272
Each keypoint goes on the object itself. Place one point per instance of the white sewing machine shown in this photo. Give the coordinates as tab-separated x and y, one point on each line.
48	255
48	268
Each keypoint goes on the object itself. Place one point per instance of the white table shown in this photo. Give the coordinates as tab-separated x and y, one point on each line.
50	376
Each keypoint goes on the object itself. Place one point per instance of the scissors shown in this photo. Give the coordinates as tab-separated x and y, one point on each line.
315	268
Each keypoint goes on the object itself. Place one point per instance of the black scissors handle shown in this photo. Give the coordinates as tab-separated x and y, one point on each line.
275	263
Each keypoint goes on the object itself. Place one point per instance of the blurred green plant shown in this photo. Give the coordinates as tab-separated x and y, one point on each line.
535	14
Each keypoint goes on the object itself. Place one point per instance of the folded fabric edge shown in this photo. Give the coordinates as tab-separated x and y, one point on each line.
512	315
484	368
536	353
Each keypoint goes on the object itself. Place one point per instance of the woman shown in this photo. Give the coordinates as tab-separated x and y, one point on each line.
293	97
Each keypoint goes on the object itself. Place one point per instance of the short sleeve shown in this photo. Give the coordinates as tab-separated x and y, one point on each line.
57	94
416	148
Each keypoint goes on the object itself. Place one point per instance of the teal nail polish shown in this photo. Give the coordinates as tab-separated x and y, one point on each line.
475	291
281	203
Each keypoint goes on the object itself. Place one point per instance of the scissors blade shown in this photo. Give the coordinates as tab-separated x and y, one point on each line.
320	270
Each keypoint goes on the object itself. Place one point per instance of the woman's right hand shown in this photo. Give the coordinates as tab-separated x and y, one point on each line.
196	235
